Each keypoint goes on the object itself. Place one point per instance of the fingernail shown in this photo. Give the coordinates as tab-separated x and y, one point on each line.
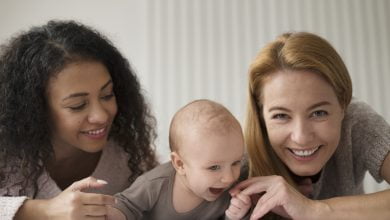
102	181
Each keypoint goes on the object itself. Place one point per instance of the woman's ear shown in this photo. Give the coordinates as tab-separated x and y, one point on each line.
177	163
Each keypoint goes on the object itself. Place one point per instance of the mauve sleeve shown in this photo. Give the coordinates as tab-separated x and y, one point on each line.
9	206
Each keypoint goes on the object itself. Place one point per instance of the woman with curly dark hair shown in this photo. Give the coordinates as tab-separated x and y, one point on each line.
71	108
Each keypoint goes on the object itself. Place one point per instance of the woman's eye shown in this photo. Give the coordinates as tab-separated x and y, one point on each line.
279	116
320	113
77	107
215	167
108	97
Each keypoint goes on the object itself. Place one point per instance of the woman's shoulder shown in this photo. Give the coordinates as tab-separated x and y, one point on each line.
359	112
358	107
12	178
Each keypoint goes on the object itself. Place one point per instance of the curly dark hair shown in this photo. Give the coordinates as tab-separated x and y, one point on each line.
27	62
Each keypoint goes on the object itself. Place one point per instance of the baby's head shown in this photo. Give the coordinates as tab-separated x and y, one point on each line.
207	146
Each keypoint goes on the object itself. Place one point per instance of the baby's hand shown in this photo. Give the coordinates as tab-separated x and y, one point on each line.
239	206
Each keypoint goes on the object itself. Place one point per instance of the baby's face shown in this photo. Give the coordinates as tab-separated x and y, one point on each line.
212	162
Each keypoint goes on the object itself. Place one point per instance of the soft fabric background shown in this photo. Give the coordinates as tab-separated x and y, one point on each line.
189	49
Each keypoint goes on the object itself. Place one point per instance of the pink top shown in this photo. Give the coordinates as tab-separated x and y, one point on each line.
112	167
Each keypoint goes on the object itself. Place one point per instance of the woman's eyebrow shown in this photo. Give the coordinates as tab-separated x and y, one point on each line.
106	84
318	105
85	93
75	95
275	108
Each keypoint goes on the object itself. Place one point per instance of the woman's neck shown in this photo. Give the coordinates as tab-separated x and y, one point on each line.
297	179
66	170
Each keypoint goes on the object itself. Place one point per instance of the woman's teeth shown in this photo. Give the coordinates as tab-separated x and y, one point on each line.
304	153
96	132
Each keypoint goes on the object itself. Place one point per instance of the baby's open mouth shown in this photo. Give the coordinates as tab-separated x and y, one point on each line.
216	191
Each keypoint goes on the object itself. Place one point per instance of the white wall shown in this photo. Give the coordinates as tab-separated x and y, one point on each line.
184	50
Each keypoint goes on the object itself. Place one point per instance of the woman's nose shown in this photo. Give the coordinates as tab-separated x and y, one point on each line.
97	115
302	132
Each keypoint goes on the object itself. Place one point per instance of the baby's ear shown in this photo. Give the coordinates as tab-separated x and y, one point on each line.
177	163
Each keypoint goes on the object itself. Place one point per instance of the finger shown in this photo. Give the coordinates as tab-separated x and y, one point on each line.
232	215
87	183
234	209
229	214
243	184
255	188
244	198
266	203
246	183
233	192
95	217
260	210
238	204
262	184
97	199
95	210
114	214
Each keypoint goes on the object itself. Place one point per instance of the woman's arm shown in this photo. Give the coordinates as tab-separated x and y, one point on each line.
368	206
283	199
385	170
70	204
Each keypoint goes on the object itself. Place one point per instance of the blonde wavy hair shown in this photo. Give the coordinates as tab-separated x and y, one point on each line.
300	51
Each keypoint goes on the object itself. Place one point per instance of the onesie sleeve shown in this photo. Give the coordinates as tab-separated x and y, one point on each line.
140	197
9	206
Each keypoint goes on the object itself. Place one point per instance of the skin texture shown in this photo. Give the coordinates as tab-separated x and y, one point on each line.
311	123
207	148
304	123
82	107
72	203
46	132
213	163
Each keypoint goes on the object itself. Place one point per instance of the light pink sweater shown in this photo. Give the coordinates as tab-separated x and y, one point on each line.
112	167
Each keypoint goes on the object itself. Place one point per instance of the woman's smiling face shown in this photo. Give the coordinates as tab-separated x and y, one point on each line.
303	119
82	106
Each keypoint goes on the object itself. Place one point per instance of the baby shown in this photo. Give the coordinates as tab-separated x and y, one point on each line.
207	147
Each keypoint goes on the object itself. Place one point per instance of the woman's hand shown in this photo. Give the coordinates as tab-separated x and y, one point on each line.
114	214
71	204
279	197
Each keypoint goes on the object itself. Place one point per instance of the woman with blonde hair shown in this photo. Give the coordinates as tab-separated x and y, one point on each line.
309	142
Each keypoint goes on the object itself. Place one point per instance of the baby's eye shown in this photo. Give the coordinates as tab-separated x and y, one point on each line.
214	167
